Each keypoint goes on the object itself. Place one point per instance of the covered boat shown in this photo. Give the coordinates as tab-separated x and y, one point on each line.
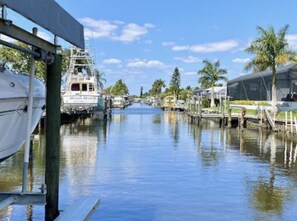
14	91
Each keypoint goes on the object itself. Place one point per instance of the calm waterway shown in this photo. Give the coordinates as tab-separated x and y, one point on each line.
146	164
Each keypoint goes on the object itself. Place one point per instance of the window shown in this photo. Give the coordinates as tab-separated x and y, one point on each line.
75	87
84	87
91	87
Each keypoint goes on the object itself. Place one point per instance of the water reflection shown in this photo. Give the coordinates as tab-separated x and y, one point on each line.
267	190
267	196
173	119
118	118
11	175
140	162
210	142
80	143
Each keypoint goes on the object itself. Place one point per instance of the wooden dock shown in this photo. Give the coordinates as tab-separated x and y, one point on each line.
81	210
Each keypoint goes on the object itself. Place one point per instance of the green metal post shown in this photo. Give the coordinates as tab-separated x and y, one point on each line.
52	164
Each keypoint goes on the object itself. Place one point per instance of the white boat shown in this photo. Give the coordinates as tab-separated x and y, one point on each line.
118	102
82	91
14	90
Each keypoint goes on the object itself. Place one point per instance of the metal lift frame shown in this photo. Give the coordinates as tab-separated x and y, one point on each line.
60	23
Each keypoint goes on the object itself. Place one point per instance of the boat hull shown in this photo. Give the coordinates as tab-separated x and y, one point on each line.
14	90
80	103
13	118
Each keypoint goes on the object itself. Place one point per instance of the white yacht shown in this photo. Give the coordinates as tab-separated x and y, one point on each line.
14	90
82	92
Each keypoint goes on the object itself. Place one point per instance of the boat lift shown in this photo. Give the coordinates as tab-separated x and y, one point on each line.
49	15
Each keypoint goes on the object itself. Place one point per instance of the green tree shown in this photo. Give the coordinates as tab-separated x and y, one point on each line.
157	87
141	91
100	78
270	50
211	73
174	86
19	62
120	88
108	89
186	93
65	58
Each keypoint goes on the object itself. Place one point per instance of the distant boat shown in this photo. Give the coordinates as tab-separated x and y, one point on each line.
14	90
82	92
118	102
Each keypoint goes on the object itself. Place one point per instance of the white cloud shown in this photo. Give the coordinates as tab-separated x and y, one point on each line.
292	40
148	42
168	44
180	48
208	47
241	60
131	32
99	28
151	64
6	38
190	73
215	46
189	59
111	61
149	25
114	30
40	34
44	35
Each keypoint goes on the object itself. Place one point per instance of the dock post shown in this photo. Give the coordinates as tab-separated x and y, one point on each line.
291	120
295	121
286	121
29	122
52	161
242	117
229	118
261	117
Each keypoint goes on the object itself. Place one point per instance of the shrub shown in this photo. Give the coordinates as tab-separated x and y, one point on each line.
205	103
250	102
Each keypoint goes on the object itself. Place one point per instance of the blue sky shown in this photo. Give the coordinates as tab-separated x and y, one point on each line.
141	41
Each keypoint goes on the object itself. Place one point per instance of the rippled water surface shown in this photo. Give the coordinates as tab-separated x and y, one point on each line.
146	164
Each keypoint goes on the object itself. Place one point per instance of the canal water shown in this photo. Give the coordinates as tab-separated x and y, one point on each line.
146	164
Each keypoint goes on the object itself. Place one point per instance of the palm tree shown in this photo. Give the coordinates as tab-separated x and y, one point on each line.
120	88
100	78
157	87
210	74
270	49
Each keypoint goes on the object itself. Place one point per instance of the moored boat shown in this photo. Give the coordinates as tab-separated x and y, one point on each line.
82	92
14	90
118	102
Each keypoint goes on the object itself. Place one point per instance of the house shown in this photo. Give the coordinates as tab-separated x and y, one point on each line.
257	86
219	92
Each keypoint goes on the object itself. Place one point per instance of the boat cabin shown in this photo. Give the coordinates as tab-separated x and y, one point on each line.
82	84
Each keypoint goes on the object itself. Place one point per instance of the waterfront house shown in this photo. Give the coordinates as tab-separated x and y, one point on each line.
219	92
257	86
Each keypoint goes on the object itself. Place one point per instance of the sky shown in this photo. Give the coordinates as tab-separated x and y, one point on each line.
141	41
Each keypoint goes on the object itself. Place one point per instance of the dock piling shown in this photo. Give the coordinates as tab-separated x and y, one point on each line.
229	118
291	119
52	160
286	121
295	121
